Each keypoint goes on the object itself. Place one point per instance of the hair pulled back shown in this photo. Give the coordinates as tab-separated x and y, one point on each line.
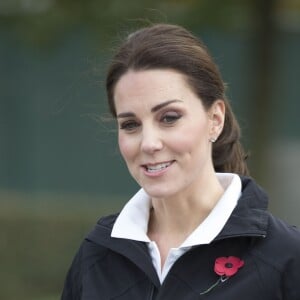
165	46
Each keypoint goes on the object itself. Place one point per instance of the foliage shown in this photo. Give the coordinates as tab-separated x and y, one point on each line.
45	22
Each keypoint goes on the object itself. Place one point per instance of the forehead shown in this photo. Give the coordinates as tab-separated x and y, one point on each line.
158	77
150	86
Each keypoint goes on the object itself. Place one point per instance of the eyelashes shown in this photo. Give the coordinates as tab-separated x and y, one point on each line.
170	117
166	119
129	125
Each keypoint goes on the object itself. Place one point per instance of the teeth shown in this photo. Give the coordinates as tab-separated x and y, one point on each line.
158	167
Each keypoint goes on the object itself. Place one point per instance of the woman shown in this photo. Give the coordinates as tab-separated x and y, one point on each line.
198	228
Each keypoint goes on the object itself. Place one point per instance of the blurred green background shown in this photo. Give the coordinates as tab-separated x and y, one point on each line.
60	169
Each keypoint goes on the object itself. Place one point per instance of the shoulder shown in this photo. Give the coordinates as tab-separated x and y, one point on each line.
89	253
282	229
284	237
277	257
253	206
90	249
281	243
101	230
108	221
279	252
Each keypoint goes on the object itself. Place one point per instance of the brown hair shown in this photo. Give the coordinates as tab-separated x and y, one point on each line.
165	46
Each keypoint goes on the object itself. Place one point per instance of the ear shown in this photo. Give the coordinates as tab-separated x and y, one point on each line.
217	118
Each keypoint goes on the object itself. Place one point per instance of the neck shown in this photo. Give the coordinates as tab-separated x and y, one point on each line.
178	216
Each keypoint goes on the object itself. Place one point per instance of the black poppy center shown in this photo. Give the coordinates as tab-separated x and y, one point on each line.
228	265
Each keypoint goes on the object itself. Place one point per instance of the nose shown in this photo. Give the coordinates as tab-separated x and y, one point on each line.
151	141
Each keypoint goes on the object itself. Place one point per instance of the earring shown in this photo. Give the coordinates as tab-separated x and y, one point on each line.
212	140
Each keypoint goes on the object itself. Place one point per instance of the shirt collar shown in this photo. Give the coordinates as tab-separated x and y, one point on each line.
132	223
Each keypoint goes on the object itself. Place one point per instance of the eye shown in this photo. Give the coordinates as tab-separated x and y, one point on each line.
129	125
170	117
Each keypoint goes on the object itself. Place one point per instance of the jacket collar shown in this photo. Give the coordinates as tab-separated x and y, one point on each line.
249	218
136	251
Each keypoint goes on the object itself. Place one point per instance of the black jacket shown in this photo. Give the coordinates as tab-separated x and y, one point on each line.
109	268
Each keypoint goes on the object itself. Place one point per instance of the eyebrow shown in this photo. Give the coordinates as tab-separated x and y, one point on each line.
153	109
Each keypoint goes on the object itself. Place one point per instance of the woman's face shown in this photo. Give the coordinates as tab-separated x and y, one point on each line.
164	131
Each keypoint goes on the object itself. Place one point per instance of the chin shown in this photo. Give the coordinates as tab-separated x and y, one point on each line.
158	192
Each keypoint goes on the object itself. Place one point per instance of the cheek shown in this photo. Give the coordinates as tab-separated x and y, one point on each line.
192	138
126	146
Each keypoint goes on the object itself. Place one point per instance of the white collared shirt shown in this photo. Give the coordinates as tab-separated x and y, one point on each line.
132	222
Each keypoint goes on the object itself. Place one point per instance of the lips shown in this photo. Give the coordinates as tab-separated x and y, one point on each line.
152	168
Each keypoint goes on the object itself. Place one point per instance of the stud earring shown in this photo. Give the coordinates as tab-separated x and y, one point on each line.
212	140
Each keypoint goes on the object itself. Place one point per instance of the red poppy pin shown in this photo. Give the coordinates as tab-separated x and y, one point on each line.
226	267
